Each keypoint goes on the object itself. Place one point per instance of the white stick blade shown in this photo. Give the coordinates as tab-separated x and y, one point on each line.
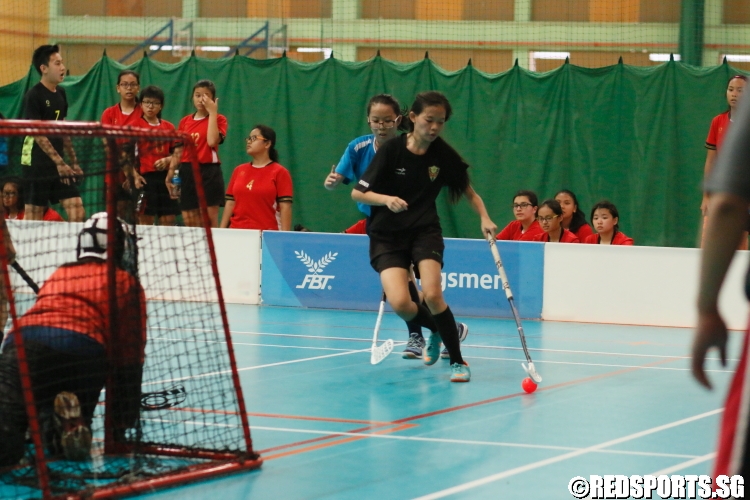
380	353
531	372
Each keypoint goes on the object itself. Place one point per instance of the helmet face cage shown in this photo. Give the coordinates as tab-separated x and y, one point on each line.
92	242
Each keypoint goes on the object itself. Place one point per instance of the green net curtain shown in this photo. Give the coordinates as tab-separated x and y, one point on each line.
632	135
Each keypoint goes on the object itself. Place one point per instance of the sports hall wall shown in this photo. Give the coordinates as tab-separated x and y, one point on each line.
633	135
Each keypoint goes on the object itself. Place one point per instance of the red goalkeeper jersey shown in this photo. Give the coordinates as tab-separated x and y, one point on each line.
74	298
197	128
151	151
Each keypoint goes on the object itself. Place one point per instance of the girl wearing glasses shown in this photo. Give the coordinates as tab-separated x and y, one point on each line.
573	219
259	195
127	111
605	218
525	206
401	185
550	216
13	202
208	129
154	158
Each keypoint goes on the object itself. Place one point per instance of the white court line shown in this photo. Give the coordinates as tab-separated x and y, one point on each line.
685	465
468	442
542	361
475	346
560	458
262	345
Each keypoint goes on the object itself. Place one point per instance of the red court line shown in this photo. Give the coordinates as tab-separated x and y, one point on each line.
462	407
323	438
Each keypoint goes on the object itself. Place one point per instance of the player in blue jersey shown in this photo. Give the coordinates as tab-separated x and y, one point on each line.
385	119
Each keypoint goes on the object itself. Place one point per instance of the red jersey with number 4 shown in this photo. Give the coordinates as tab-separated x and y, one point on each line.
619	239
197	128
257	193
113	115
565	237
514	231
718	130
151	151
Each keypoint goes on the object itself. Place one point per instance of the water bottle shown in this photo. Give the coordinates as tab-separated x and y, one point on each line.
176	185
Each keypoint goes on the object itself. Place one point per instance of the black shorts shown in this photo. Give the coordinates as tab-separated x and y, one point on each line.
402	248
43	186
156	195
213	186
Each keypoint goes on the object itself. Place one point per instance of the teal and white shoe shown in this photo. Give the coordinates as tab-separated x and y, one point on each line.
460	372
431	353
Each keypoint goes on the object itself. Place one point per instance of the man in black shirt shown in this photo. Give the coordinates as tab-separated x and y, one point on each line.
49	179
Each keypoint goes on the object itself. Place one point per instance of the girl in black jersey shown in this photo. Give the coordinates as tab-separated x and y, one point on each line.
401	184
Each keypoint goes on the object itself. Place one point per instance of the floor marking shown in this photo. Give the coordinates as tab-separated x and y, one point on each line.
560	458
255	345
470	442
542	361
318	419
685	465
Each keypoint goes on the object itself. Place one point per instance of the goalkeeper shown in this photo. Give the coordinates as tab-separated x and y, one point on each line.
72	350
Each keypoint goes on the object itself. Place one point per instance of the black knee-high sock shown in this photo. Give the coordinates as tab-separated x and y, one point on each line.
449	333
424	318
413	325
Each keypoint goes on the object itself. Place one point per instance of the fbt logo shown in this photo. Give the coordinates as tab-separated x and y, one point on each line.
315	280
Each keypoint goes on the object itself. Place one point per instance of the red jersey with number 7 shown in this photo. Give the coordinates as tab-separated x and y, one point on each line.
197	128
149	151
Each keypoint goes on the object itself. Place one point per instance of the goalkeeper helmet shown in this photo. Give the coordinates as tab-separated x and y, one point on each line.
92	242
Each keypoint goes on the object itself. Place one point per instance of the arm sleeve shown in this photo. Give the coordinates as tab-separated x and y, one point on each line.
376	173
221	121
731	174
346	165
713	134
283	185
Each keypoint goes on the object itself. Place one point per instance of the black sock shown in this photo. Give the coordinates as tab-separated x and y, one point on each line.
424	318
449	334
413	325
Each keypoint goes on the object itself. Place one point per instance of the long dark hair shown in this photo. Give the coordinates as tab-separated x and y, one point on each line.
16	181
427	99
579	218
129	72
270	135
553	205
531	195
607	205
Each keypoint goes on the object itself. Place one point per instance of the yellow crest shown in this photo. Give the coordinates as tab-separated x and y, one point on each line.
434	171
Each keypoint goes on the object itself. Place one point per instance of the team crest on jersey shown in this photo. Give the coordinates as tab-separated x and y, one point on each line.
47	102
434	171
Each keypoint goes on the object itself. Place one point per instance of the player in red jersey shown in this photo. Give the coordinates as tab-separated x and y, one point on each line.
154	158
525	206
717	131
208	129
127	111
550	219
573	218
72	349
606	218
259	195
13	202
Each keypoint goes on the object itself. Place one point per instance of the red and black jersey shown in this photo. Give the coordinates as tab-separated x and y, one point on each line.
75	298
618	239
197	128
113	115
257	192
565	237
514	231
717	131
151	151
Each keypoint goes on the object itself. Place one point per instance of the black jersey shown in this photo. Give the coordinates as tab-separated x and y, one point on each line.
40	103
416	179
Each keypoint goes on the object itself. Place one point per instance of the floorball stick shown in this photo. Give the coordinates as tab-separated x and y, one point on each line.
378	354
23	274
530	370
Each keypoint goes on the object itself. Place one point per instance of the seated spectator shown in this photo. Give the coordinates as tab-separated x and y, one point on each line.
13	202
605	218
259	195
573	218
525	205
550	218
